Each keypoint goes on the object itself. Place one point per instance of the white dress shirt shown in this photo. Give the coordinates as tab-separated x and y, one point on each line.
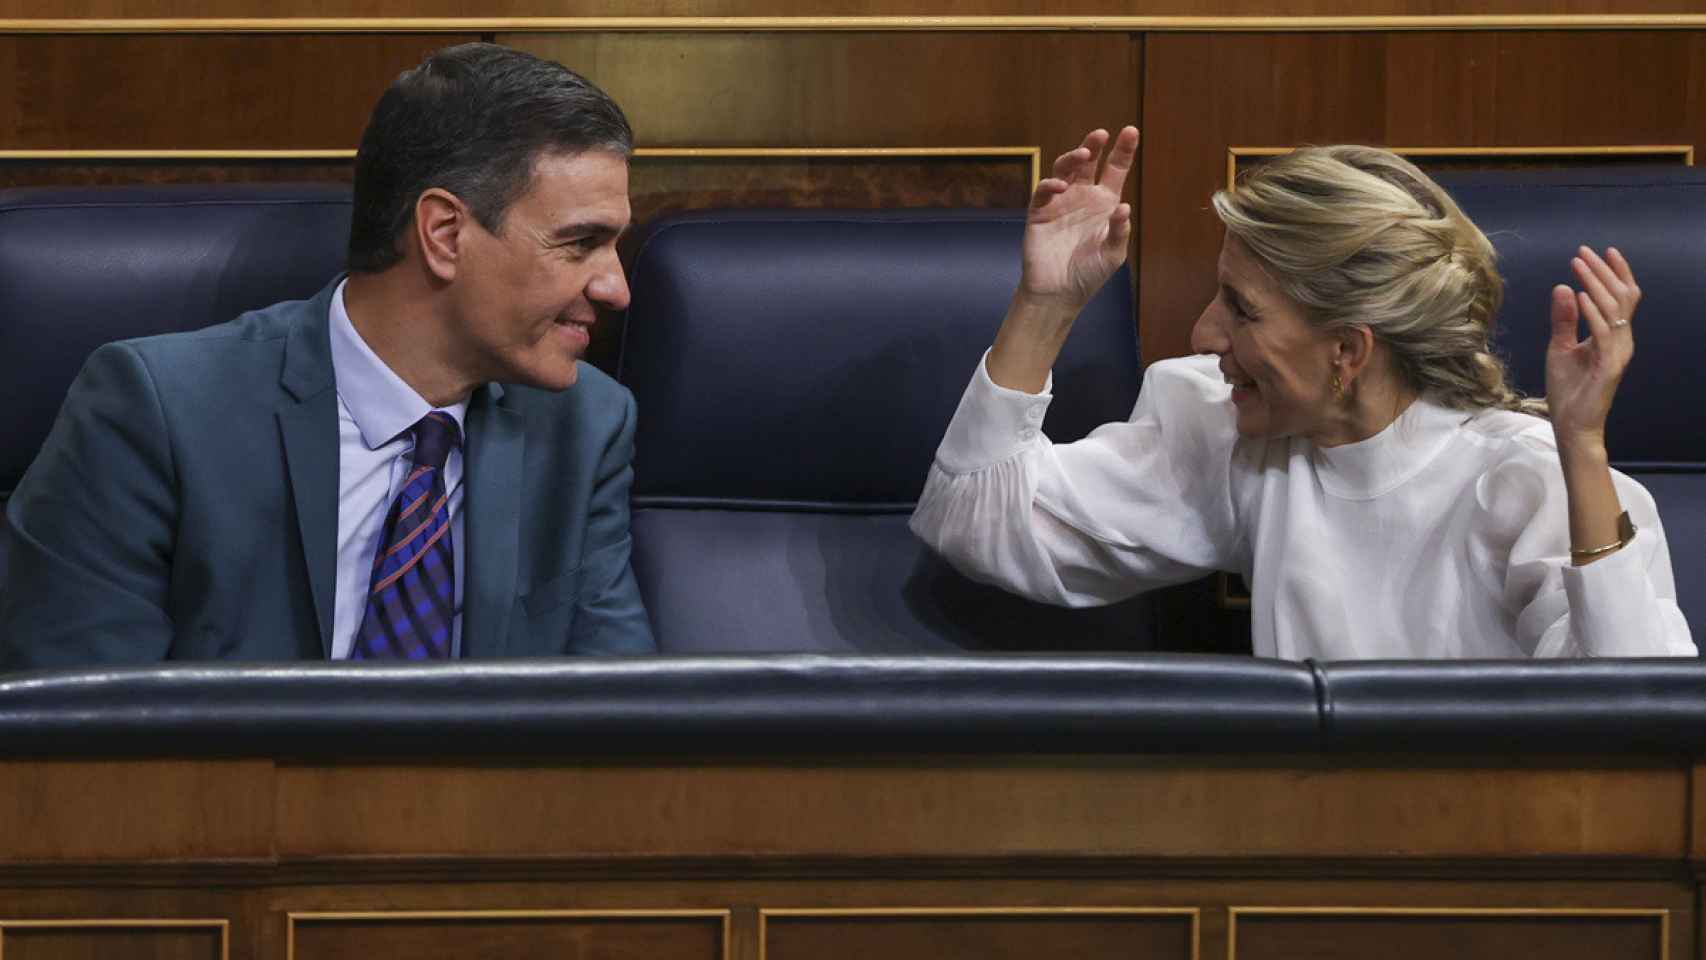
1445	535
375	411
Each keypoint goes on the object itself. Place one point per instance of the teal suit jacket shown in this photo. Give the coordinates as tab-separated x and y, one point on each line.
185	507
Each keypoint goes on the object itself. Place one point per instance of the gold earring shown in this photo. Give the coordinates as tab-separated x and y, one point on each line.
1338	386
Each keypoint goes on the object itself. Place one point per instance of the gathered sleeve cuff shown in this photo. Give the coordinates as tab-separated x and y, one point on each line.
993	423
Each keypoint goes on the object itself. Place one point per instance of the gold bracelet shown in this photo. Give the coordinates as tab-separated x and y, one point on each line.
1625	533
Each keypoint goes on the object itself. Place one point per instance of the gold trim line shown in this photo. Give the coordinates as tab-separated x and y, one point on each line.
1661	914
1155	24
1032	154
1685	151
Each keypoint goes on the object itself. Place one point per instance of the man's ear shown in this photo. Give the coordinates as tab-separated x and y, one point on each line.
1352	352
441	222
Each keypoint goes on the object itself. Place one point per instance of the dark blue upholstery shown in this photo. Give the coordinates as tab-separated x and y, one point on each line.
1657	217
795	372
80	267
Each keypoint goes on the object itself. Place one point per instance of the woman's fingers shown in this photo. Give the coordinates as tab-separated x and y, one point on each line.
1094	141
1620	266
1565	317
1047	190
1119	229
1066	163
1598	330
1606	304
1120	160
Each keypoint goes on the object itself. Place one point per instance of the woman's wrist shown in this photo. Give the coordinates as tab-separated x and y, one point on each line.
1029	341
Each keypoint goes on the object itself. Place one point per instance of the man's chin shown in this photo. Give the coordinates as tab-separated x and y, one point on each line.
555	378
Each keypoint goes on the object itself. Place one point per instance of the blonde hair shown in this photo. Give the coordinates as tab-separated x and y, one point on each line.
1358	236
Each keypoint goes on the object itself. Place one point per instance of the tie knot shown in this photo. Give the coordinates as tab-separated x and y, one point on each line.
435	436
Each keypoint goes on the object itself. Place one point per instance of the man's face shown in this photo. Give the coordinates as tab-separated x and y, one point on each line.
527	296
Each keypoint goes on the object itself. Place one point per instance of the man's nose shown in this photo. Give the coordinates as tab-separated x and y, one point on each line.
609	287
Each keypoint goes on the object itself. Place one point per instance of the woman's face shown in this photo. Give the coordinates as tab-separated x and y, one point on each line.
1280	366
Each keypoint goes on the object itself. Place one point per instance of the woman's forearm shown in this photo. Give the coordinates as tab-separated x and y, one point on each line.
1028	342
1594	507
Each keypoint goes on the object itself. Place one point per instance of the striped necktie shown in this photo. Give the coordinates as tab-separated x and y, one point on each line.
411	601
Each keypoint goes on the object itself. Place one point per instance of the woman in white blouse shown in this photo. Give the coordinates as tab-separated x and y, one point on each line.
1344	438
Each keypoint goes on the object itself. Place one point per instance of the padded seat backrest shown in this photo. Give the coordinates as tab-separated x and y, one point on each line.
795	372
80	267
1657	217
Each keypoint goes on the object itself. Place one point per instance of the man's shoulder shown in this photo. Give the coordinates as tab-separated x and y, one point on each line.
266	326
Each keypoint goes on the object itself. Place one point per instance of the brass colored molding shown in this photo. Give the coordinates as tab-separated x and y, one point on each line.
765	913
1103	24
1660	914
122	923
1683	151
369	916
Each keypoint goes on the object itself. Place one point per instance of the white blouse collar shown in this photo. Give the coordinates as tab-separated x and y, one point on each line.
1386	461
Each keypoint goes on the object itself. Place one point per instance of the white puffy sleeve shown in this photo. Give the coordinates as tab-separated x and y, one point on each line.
1622	605
1133	506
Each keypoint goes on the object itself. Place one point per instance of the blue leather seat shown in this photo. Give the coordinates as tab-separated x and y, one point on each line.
795	372
83	266
1657	217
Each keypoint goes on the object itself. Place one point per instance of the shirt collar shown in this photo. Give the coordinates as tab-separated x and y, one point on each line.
1380	464
382	405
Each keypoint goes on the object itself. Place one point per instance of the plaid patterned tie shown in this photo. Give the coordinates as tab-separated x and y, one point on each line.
411	604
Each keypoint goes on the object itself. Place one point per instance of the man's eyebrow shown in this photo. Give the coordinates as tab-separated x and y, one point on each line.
590	228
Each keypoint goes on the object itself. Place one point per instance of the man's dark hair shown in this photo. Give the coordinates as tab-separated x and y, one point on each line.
471	119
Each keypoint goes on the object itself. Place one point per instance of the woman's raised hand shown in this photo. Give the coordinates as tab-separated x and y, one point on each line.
1582	375
1077	231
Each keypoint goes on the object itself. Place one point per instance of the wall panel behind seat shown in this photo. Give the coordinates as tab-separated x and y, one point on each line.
1206	93
221	92
860	90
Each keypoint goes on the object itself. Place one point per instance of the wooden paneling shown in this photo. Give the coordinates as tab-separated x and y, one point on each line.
1465	935
453	937
831	8
947	807
858	89
1206	93
59	811
992	934
209	92
92	942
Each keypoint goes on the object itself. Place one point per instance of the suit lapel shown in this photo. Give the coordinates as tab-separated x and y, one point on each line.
308	425
492	506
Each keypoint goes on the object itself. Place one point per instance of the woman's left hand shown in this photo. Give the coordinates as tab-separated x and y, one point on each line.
1582	375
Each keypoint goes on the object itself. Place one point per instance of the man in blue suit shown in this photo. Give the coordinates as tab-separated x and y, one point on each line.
413	464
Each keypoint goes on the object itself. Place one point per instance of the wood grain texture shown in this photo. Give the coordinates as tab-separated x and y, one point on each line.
57	811
1464	936
858	89
625	938
797	8
104	943
1015	936
189	92
1206	93
951	807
